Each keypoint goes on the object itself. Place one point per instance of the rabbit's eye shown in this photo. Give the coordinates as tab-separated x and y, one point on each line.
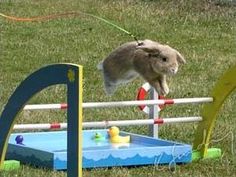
164	59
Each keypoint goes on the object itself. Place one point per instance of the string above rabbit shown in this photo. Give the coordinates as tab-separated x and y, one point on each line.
68	14
149	59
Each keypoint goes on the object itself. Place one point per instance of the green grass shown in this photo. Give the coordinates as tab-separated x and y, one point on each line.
203	31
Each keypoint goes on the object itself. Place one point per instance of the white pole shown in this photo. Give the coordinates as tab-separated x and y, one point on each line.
43	106
117	123
153	113
40	126
122	103
146	102
109	123
182	119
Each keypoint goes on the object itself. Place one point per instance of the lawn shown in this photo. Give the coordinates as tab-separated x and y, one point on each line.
203	31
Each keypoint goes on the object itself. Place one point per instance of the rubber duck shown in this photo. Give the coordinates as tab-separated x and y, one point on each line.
98	137
115	137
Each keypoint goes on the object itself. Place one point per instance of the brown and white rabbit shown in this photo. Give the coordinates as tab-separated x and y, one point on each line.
149	59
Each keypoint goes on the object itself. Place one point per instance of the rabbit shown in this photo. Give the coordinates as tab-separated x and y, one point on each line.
148	59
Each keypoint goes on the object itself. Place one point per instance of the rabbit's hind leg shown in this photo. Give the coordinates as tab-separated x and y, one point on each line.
109	87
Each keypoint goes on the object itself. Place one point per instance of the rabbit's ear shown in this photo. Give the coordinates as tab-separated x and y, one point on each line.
180	58
149	48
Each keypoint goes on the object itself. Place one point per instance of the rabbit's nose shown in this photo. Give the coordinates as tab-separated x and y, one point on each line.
173	70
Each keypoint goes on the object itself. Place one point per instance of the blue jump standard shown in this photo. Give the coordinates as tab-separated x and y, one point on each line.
49	149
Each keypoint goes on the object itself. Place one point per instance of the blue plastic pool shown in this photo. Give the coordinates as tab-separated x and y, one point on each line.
49	149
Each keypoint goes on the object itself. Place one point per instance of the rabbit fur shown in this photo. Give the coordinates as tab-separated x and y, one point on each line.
148	59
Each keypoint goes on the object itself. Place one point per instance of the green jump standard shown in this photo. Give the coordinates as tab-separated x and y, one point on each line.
212	153
9	165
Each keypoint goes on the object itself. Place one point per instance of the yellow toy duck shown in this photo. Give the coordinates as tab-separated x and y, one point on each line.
115	137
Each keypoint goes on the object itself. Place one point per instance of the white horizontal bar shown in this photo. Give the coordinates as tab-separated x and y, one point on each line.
117	123
122	103
145	102
141	122
182	119
193	100
39	126
42	106
109	123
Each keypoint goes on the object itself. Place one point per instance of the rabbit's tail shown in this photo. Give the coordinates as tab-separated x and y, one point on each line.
100	66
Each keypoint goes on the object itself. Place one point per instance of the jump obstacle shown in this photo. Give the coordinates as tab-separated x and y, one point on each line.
159	120
71	75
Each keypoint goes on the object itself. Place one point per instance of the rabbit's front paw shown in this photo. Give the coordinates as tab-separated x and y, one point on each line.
165	90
